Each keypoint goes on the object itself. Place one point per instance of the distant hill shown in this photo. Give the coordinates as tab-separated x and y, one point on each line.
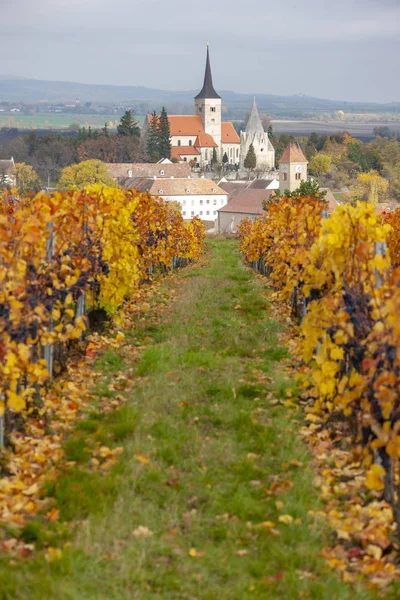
18	89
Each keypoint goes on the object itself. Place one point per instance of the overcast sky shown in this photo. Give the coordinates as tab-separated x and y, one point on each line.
339	49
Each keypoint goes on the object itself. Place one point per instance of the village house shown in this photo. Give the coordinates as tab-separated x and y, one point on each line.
198	197
7	172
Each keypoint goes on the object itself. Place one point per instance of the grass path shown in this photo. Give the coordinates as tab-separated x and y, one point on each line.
188	513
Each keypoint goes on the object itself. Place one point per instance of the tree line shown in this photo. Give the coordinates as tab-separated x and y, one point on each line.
44	157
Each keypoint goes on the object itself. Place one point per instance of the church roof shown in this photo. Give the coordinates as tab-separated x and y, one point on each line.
207	91
179	151
293	154
228	134
205	140
185	125
254	125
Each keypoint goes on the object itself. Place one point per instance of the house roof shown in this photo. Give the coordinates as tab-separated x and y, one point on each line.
179	151
228	134
121	170
293	154
205	140
254	125
175	187
237	187
207	91
330	199
248	201
7	166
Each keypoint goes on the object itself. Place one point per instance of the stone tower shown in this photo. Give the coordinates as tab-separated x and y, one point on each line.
255	134
292	168
207	104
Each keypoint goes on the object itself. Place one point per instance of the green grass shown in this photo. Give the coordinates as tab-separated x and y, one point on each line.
201	416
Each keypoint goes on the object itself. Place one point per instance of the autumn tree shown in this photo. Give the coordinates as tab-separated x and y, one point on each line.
27	179
320	164
370	187
250	162
84	173
128	125
164	133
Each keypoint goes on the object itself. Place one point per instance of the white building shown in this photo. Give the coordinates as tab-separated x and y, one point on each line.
263	148
197	197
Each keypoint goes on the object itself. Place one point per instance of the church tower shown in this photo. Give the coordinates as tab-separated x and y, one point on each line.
255	134
207	104
292	168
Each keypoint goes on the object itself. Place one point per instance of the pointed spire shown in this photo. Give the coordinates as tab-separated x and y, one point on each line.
254	125
207	90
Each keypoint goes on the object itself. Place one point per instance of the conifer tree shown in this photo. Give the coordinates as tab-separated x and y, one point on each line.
214	159
153	139
250	162
225	158
128	125
164	134
270	132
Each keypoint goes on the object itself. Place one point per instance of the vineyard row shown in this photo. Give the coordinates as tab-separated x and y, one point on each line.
341	276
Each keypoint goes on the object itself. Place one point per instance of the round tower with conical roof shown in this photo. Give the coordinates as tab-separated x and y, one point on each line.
255	134
207	104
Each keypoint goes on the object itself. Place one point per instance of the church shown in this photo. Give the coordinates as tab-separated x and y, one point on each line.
196	138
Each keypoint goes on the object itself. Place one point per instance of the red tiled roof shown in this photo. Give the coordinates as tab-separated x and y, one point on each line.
179	151
228	134
293	154
205	140
185	125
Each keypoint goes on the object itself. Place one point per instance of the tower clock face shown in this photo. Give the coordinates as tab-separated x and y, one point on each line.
298	169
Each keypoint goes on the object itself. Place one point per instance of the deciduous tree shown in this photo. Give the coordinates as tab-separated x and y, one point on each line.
27	179
84	173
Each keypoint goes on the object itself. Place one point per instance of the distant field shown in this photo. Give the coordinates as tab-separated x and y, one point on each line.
357	129
57	120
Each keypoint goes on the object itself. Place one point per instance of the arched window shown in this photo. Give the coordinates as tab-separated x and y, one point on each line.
179	142
190	142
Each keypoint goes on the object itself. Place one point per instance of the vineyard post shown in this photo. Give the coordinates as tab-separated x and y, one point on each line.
380	250
50	250
2	425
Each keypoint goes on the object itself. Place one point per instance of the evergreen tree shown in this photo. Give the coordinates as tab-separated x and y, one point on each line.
164	133
128	125
270	132
214	158
153	139
105	130
250	162
225	158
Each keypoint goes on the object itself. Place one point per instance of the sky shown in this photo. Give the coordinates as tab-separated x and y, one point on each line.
336	49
